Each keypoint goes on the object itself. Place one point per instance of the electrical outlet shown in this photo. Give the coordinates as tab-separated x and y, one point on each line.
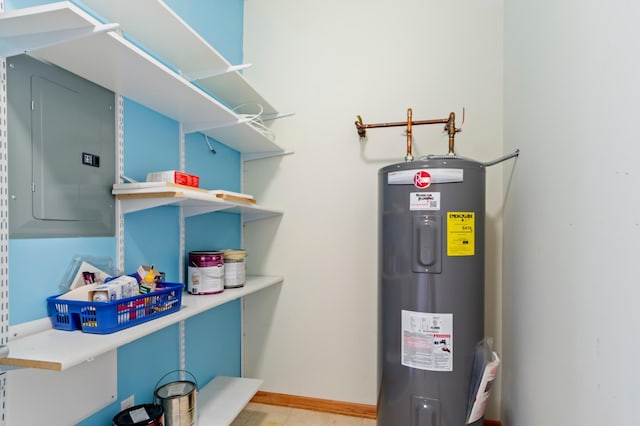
127	403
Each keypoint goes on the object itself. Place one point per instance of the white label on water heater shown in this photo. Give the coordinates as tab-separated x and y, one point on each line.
406	177
427	341
424	201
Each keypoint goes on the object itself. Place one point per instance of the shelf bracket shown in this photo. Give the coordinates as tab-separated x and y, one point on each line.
250	156
15	45
4	216
253	216
201	127
275	116
198	210
134	205
201	75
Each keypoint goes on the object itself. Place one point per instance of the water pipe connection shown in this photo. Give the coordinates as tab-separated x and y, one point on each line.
449	122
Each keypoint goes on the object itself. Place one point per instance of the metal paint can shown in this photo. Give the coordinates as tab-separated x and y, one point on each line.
140	415
205	272
235	274
178	400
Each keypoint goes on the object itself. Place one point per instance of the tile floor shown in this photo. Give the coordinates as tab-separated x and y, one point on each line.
271	415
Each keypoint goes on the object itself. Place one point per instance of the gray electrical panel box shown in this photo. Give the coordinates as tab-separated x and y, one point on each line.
61	134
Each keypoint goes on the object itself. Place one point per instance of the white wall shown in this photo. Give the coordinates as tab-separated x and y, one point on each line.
572	222
327	61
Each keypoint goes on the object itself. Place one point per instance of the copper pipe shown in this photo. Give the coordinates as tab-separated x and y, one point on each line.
409	156
363	126
450	128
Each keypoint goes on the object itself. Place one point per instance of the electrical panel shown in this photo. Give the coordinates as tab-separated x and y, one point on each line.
61	143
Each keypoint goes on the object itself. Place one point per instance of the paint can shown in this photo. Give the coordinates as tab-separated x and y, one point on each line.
178	400
235	274
205	272
140	415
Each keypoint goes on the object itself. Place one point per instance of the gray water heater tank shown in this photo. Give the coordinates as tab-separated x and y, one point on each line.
431	283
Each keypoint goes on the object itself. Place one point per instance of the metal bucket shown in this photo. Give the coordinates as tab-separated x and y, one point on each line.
178	399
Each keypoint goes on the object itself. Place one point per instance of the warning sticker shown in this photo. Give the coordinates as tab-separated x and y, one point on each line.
427	341
461	232
424	201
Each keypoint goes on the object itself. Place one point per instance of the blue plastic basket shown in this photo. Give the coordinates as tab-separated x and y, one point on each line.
108	317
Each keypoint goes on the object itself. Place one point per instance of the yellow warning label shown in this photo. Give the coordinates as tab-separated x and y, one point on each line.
461	232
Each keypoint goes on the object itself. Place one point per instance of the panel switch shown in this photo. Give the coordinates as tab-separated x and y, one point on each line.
90	159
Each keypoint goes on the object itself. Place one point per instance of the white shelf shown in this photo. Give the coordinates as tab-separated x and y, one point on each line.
25	29
175	42
145	195
222	399
52	349
65	35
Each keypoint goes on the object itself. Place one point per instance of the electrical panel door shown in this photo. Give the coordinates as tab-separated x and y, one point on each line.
61	152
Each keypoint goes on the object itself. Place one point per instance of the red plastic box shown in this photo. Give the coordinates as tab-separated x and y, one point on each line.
174	176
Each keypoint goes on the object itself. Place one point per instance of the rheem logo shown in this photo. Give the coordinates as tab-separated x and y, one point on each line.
422	179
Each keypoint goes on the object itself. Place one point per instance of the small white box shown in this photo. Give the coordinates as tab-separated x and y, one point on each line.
174	176
120	288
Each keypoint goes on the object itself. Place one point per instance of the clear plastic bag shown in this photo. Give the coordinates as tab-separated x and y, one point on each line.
485	369
85	270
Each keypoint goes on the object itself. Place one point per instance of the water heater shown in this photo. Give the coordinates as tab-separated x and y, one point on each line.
431	283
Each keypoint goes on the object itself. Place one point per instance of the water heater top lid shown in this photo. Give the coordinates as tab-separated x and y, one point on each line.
432	162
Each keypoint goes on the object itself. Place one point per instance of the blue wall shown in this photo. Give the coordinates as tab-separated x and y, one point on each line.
151	143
